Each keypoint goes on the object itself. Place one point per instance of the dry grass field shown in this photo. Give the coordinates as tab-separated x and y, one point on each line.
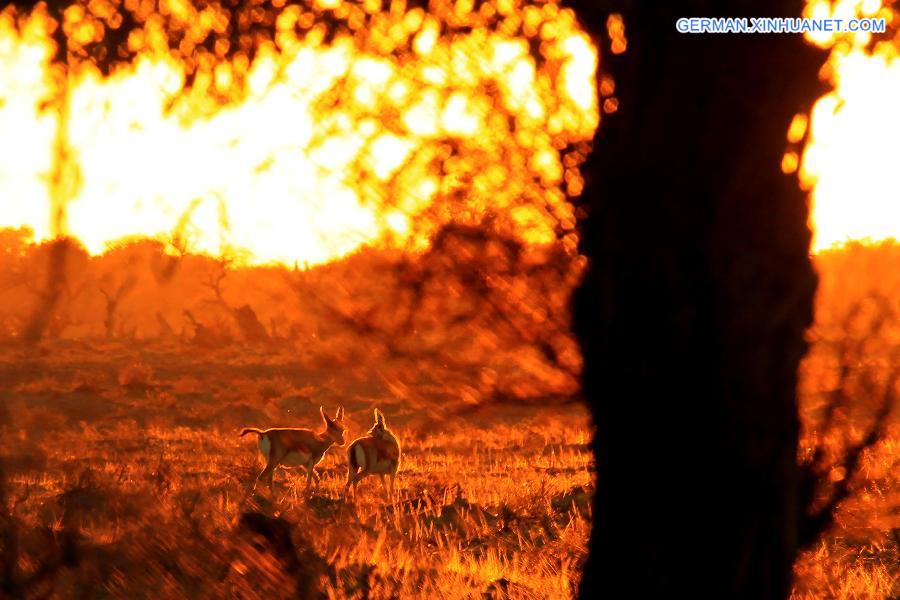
848	378
123	475
128	460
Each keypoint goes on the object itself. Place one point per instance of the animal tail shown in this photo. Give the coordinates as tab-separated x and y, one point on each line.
247	430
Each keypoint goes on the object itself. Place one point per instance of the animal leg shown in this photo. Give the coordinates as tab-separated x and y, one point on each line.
311	473
385	488
393	476
351	480
265	474
256	483
274	460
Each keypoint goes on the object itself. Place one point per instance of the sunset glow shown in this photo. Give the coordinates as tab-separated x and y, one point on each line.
360	124
850	161
311	149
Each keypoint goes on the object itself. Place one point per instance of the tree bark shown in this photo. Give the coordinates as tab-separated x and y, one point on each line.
692	315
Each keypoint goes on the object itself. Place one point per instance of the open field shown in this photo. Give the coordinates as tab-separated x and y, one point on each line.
850	375
125	462
123	475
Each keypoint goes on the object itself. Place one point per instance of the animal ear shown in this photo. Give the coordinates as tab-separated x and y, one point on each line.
339	415
379	418
322	412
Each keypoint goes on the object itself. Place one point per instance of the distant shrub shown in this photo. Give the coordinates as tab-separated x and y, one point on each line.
237	389
274	388
163	400
38	419
187	384
89	382
136	375
41	385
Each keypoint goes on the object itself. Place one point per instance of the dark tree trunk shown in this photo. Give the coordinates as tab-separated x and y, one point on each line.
692	316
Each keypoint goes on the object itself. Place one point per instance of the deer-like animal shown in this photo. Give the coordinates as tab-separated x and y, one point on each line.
292	447
377	452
